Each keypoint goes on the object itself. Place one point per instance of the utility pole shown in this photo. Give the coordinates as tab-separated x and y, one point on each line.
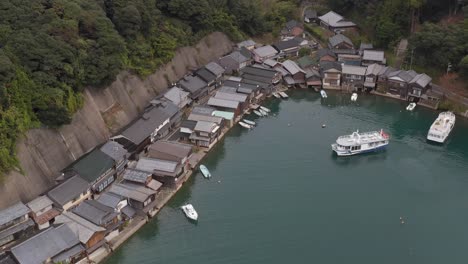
411	60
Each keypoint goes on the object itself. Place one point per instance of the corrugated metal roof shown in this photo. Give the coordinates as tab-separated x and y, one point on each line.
373	55
114	150
136	175
13	212
68	190
134	192
39	203
207	118
39	248
224	114
150	165
223	103
204	126
265	51
202	110
241	98
215	68
354	70
292	67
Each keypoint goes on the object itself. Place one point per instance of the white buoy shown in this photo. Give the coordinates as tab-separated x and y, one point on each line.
323	125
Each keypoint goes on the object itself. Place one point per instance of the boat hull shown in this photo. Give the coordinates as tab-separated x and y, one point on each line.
342	153
204	170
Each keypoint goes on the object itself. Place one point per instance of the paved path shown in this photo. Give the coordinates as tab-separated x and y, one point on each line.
401	53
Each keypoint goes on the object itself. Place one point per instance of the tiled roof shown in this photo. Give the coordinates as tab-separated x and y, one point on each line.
68	190
13	212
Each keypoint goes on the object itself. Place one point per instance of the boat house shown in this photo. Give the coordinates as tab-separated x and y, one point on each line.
353	77
15	223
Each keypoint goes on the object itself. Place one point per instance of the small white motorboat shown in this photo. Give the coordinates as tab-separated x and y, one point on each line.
354	97
242	124
411	106
284	95
276	95
264	113
190	212
323	94
257	113
249	122
265	109
204	170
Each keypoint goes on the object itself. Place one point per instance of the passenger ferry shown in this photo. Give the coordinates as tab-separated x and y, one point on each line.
441	127
358	143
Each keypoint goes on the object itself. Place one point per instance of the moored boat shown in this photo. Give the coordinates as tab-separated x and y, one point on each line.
265	109
249	122
441	127
284	95
257	113
276	95
242	124
204	170
323	94
190	212
264	113
411	106
354	97
358	143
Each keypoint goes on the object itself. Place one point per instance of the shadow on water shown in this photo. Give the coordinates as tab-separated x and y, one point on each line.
356	160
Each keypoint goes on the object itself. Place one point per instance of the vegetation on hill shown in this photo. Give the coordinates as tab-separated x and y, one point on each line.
51	49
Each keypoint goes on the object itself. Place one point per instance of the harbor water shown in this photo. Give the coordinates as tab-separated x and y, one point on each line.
279	195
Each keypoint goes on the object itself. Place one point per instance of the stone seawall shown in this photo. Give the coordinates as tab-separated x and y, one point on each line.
43	153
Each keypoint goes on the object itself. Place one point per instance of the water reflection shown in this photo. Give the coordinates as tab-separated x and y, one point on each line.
357	160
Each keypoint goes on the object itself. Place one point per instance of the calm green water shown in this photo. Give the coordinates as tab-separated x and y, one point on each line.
285	198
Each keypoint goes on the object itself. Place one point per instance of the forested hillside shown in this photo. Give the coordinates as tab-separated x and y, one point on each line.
50	50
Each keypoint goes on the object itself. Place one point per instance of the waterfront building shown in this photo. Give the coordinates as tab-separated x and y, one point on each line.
100	215
306	62
195	86
235	61
225	105
372	74
350	59
373	56
382	78
261	76
42	211
56	244
217	70
205	133
365	46
178	97
295	76
353	77
186	129
227	116
206	117
398	82
335	22
170	150
113	201
331	75
271	63
207	77
139	197
89	234
288	48
237	97
264	53
70	193
15	223
165	171
418	86
313	78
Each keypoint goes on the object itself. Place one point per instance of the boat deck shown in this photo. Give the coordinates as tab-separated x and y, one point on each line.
362	138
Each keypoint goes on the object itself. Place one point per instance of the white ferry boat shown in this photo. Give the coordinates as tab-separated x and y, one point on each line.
441	127
358	143
190	212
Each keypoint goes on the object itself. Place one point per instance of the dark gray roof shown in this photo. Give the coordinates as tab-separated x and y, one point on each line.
192	83
405	76
6	259
366	46
39	203
114	150
223	103
66	255
327	65
228	89
80	226
421	79
109	199
177	96
128	211
268	73
203	110
386	71
205	75
245	52
241	98
236	84
132	191
45	245
95	212
16	228
13	212
188	124
292	24
286	44
339	38
142	128
136	175
92	165
265	51
215	68
310	13
324	52
239	57
335	20
344	51
68	190
175	149
151	165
